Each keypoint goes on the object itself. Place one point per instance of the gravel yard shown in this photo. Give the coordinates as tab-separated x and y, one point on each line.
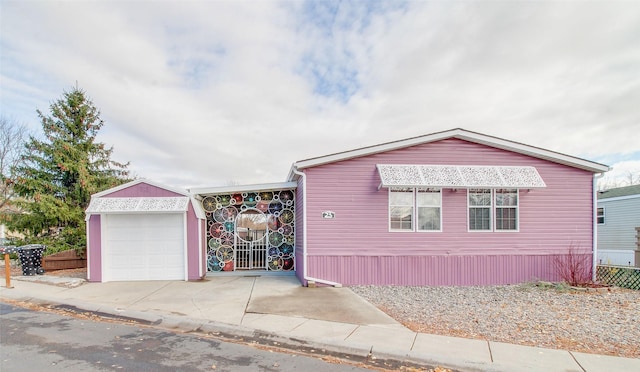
536	314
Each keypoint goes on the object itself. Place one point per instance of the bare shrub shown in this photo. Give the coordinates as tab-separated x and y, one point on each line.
573	267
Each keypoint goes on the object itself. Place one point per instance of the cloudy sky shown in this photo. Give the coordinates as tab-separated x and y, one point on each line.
213	93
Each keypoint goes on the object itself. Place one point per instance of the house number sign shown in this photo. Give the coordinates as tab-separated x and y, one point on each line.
328	214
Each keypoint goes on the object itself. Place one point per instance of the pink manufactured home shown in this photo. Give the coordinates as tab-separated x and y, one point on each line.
144	231
449	208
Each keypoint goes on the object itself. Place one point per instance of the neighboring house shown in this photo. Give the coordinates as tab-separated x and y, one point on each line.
144	231
449	208
618	216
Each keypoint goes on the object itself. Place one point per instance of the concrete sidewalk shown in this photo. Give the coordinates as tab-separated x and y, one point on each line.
334	319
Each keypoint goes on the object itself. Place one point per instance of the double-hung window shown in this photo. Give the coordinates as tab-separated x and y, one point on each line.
401	209
480	209
600	215
507	210
493	210
412	209
429	204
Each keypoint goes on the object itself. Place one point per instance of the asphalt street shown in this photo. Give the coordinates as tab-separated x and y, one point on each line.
50	341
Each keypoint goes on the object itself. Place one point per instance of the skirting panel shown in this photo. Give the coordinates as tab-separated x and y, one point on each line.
436	270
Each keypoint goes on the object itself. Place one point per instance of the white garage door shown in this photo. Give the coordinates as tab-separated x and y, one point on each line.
143	247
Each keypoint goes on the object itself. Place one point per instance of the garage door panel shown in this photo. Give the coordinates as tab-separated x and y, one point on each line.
144	247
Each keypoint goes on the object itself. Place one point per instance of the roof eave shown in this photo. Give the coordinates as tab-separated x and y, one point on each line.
533	151
139	181
463	135
243	188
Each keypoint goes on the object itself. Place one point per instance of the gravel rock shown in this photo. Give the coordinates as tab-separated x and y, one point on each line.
603	321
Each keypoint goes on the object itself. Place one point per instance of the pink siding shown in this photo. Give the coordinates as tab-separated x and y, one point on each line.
353	247
142	189
95	250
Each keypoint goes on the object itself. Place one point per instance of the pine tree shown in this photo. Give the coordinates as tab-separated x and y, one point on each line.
60	173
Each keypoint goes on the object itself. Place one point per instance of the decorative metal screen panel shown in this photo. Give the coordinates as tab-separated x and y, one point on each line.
230	248
459	176
147	204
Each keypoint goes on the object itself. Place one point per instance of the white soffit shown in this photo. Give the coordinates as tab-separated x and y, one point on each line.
137	205
459	176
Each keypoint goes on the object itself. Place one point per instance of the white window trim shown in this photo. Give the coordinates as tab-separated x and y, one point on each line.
492	211
414	216
469	206
415	202
604	216
516	207
413	213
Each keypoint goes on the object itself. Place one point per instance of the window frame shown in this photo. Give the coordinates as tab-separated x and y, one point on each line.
415	209
390	206
437	191
599	216
493	207
515	207
479	206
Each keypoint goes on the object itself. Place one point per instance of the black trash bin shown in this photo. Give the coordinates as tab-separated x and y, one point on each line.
31	259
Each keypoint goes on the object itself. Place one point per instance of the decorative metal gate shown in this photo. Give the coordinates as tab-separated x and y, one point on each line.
250	230
251	240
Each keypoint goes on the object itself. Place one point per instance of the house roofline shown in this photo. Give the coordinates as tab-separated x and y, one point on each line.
243	188
458	133
618	198
137	182
618	192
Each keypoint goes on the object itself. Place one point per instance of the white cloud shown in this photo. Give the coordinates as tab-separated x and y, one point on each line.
215	92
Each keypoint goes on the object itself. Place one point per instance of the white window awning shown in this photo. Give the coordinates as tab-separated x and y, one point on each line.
459	176
138	205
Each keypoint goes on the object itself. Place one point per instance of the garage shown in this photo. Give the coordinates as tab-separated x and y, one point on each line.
145	231
144	247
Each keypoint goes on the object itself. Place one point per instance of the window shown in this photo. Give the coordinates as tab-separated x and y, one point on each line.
480	209
600	216
407	205
401	209
491	210
507	210
429	202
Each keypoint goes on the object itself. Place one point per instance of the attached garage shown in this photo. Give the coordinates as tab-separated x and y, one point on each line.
144	231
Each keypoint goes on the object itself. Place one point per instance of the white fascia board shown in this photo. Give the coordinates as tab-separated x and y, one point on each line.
244	188
370	150
197	208
535	152
136	182
460	134
292	176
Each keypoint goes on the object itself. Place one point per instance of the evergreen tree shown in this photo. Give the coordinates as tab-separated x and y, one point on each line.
60	172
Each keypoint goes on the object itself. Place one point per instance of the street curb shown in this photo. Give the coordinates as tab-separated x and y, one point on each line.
236	332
